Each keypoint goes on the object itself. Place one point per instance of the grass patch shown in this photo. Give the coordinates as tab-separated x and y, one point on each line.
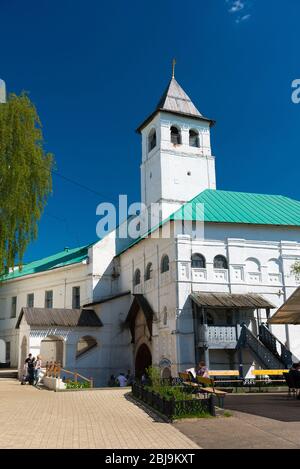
198	415
227	413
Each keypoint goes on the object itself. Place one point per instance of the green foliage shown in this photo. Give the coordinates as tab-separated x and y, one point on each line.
175	393
77	384
296	268
25	177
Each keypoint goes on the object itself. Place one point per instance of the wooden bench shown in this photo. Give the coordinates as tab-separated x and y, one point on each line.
207	386
187	380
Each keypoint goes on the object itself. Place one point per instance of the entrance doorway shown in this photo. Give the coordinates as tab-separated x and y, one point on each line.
143	360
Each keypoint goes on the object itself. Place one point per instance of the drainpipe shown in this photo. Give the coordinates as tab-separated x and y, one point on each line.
287	332
177	351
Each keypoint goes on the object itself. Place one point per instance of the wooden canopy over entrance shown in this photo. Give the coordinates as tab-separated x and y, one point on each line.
139	303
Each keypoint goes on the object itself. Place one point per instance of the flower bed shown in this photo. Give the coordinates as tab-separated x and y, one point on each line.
174	402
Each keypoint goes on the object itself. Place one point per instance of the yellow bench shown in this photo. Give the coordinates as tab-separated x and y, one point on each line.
268	372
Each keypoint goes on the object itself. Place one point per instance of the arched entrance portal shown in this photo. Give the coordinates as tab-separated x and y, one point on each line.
143	360
52	349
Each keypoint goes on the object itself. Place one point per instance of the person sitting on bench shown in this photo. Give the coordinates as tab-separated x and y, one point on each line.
202	370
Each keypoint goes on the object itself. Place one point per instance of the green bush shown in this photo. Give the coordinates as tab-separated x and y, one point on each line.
77	384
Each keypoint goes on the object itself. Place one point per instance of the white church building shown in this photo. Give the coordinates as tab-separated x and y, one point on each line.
205	291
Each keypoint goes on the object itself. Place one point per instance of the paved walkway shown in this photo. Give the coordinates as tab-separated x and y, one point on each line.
31	418
258	421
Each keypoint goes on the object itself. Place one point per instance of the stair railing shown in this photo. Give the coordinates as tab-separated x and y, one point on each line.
271	342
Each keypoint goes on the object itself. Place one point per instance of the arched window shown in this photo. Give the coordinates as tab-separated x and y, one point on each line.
149	271
220	262
252	265
198	261
164	266
151	140
85	344
194	138
175	135
137	277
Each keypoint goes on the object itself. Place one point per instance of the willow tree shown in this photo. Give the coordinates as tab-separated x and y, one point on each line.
25	177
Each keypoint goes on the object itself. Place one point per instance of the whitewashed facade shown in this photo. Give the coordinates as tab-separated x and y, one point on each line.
259	260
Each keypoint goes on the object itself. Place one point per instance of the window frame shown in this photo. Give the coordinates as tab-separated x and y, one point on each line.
137	275
178	134
30	296
220	256
196	137
149	271
200	258
13	307
152	137
46	299
75	297
164	267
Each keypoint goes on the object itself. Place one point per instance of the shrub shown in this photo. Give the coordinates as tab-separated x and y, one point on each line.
77	384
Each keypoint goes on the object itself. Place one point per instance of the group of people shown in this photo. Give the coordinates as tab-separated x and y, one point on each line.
32	370
121	380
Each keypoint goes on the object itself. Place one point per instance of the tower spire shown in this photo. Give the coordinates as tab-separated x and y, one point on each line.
173	68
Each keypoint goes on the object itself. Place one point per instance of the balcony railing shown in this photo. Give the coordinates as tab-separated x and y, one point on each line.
218	336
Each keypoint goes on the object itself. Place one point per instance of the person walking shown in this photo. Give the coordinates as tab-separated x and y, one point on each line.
25	377
31	365
37	370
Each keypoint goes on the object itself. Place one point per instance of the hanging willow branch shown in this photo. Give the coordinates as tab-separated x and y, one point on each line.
25	177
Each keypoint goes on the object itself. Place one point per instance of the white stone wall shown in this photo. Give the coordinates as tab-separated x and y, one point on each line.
60	280
260	262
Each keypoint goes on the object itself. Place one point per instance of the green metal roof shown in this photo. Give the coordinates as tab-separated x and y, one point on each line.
60	259
212	206
241	207
216	206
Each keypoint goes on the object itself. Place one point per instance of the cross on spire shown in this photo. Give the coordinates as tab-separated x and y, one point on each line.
173	68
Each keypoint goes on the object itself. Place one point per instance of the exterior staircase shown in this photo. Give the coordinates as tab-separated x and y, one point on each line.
264	354
278	349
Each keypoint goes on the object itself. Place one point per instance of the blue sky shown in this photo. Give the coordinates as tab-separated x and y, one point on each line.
96	69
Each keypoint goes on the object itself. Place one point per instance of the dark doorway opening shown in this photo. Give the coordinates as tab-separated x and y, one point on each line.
143	360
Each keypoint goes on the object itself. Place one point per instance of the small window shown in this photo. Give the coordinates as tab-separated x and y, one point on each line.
152	140
13	312
198	261
220	262
85	344
165	264
49	299
149	271
137	277
30	300
165	316
175	135
193	138
76	297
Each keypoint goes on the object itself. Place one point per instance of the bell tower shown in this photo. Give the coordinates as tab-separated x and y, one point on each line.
177	163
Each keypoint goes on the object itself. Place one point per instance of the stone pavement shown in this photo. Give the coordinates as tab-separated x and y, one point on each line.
31	418
257	421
